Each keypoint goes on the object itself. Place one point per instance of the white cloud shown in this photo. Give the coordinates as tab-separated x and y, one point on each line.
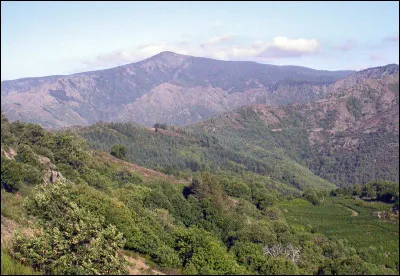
282	47
152	49
244	52
296	45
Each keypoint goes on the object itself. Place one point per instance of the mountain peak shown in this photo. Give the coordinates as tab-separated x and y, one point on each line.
166	59
167	54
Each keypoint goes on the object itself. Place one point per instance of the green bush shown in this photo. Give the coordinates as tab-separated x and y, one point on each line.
26	155
69	149
258	232
31	175
201	253
235	188
354	106
124	177
279	266
249	255
14	174
11	179
166	257
44	151
74	240
119	151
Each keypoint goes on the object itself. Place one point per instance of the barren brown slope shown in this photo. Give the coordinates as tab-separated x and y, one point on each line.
145	172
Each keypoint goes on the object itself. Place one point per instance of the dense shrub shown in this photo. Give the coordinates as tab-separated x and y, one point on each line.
119	151
74	240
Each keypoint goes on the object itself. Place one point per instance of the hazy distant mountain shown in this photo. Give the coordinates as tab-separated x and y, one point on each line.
166	88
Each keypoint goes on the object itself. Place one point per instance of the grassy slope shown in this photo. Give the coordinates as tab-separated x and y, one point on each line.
11	267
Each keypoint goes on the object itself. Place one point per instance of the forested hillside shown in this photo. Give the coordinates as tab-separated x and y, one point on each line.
79	211
181	151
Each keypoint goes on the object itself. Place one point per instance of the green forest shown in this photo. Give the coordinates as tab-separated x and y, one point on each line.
188	201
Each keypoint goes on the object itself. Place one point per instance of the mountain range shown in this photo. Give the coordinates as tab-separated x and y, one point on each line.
349	136
166	88
342	126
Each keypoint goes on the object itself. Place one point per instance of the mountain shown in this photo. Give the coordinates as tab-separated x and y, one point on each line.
167	88
351	136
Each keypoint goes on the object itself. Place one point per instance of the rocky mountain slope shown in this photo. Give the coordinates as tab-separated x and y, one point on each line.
350	136
168	88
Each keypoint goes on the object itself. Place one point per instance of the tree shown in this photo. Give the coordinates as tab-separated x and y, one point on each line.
357	190
26	155
162	126
119	151
312	196
69	149
7	137
289	251
14	174
11	179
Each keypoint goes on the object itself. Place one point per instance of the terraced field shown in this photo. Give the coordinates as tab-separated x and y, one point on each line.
337	218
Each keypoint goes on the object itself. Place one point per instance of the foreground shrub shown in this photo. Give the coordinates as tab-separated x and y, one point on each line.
74	241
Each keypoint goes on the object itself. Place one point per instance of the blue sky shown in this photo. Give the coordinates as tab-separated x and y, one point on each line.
51	38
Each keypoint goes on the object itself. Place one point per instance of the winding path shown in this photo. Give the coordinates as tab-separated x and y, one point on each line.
354	212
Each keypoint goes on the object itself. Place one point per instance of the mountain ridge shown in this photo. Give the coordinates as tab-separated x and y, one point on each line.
111	94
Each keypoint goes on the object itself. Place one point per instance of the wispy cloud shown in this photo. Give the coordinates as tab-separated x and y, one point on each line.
394	38
347	46
217	39
114	58
375	57
120	57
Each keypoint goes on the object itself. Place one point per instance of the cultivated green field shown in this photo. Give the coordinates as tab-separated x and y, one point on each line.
351	220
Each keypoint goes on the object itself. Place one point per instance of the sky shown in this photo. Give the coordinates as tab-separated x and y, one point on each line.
58	38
